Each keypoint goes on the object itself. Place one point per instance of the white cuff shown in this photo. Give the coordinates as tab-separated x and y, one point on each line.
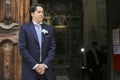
35	66
45	65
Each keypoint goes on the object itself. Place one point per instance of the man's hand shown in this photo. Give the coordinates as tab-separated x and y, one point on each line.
40	69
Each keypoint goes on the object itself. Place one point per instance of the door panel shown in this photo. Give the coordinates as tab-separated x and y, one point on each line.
13	13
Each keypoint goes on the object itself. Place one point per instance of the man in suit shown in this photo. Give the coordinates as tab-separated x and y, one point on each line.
37	46
94	62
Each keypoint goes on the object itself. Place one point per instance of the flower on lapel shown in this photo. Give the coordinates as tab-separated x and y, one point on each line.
45	32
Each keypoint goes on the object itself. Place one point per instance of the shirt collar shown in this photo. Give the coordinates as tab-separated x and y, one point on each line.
37	23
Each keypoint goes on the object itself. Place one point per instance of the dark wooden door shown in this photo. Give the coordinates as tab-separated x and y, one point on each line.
13	13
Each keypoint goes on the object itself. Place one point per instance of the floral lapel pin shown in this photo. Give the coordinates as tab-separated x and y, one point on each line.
45	32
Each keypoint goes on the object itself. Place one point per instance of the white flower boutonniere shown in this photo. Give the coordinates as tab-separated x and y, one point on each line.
45	32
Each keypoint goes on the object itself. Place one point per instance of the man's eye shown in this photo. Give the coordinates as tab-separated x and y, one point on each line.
39	11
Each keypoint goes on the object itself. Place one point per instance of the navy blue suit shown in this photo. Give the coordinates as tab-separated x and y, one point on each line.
30	50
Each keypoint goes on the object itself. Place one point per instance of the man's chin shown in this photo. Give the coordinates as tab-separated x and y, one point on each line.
40	20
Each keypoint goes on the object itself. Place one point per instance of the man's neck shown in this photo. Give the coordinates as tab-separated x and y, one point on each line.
35	22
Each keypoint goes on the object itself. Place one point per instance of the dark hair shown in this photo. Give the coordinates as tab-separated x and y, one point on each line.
33	7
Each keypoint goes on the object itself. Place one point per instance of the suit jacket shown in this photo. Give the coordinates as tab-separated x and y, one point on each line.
91	61
30	50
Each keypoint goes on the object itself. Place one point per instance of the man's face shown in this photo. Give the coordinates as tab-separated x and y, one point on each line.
38	15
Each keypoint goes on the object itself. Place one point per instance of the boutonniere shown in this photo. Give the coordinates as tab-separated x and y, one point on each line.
45	32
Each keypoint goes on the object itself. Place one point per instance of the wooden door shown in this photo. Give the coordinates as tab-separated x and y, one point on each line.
13	13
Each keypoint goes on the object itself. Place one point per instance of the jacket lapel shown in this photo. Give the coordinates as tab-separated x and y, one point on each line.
32	29
43	37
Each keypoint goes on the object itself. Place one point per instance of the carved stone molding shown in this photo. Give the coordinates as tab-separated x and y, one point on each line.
13	39
8	8
8	22
13	13
5	26
7	48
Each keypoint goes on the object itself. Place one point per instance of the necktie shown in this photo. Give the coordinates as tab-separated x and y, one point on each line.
39	35
95	54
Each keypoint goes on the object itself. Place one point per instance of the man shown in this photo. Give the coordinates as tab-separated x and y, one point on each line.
94	62
37	46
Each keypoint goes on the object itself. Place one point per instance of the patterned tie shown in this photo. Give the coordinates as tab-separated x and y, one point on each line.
39	34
